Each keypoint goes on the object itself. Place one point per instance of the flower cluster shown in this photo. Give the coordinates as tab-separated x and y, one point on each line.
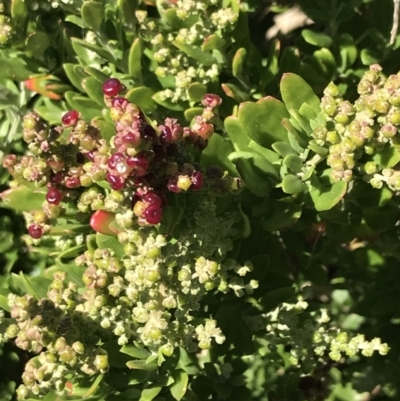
147	285
309	337
357	134
207	19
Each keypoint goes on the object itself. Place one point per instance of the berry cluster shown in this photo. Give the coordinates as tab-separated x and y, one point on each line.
360	134
136	169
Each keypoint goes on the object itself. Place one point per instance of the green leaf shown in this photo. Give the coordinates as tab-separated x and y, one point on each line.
388	157
233	91
262	121
217	152
134	60
93	14
295	91
196	91
272	299
316	38
324	193
290	60
193	112
94	89
75	74
127	9
15	69
172	19
87	107
167	103
37	43
131	393
172	215
69	229
195	53
95	73
326	63
79	43
179	387
143	97
291	184
148	394
4	299
35	286
272	65
282	215
283	149
23	199
213	42
348	51
294	163
255	171
107	129
139	353
19	13
238	62
108	241
142	365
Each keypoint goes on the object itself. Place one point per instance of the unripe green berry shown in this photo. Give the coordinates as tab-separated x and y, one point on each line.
376	183
395	117
154	253
331	90
370	168
167	349
155	334
332	137
381	106
369	150
342	118
101	362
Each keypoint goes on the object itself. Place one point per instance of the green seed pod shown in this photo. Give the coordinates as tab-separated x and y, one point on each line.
376	183
370	168
332	137
382	106
101	362
331	90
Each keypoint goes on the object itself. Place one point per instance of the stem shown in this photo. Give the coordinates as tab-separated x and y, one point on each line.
395	25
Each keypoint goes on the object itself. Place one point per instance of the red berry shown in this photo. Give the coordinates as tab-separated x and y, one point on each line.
54	196
116	182
205	131
201	144
56	178
172	186
131	139
70	118
153	214
90	155
116	158
72	182
197	181
149	133
119	102
166	135
101	220
112	86
139	165
211	100
35	231
152	198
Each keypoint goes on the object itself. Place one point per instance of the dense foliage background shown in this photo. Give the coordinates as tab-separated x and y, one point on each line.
320	244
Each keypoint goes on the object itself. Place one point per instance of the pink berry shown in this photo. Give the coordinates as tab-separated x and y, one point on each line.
152	198
54	196
205	131
211	100
112	86
116	158
153	214
139	165
35	231
70	118
116	182
119	102
197	181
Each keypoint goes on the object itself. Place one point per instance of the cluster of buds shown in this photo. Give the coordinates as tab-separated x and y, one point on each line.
141	164
210	18
357	133
310	338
